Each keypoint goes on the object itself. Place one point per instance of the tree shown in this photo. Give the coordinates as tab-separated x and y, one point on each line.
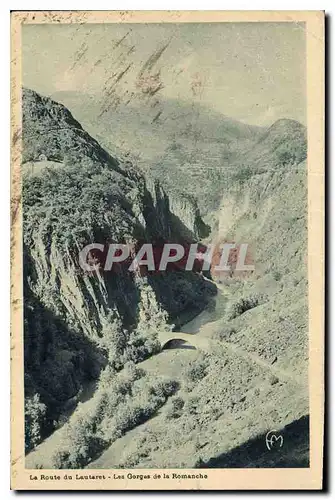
114	338
34	415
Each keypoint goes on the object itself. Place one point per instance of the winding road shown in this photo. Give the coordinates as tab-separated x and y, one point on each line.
199	334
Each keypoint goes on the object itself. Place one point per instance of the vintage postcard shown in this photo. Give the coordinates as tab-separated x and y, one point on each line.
167	250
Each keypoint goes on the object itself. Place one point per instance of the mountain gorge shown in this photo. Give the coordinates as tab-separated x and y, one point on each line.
100	391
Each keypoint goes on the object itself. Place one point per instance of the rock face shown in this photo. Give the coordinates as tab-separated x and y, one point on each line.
75	193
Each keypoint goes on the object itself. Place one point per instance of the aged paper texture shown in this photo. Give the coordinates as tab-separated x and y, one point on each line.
167	250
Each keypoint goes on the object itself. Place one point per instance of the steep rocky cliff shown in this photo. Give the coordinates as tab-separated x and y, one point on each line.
75	193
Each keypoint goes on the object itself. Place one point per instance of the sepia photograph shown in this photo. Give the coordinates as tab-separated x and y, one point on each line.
166	198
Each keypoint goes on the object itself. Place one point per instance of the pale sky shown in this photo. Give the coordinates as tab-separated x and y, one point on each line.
253	72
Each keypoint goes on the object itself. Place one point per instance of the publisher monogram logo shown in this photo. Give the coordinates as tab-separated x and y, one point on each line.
274	440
